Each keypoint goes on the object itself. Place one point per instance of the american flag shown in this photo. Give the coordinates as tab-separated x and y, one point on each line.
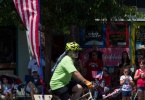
97	74
29	13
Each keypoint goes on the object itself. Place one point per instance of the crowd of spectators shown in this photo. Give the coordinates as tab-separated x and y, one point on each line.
130	81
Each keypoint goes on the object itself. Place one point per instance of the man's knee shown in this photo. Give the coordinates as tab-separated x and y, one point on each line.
77	88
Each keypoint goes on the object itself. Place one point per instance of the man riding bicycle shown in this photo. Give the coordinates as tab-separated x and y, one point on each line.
60	83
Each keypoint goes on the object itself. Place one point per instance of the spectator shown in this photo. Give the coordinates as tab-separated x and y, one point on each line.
125	61
99	53
93	64
141	55
140	77
126	82
7	89
34	86
106	79
134	90
33	66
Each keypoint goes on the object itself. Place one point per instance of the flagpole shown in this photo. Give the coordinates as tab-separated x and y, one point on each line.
41	69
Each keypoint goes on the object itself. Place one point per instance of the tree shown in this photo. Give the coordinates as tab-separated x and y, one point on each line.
60	16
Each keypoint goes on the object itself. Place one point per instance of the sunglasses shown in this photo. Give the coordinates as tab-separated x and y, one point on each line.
76	51
142	63
94	54
126	71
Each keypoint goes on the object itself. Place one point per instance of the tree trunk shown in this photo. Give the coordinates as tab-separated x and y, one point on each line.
48	50
74	33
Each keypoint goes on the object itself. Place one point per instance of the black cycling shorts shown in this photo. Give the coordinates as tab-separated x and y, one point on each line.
65	92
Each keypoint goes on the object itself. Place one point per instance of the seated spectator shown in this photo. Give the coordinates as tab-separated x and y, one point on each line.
106	78
7	89
34	86
103	83
93	64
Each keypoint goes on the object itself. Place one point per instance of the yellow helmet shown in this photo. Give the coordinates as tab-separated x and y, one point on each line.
73	46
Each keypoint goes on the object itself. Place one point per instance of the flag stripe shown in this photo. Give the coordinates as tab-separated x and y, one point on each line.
26	13
35	27
31	23
29	13
21	11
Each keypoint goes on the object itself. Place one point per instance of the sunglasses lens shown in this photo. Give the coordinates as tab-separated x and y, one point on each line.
76	51
93	54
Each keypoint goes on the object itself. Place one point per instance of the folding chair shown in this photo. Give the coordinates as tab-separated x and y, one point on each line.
21	90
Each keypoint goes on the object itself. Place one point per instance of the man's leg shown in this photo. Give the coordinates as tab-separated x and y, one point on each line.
77	90
32	89
6	96
11	96
62	93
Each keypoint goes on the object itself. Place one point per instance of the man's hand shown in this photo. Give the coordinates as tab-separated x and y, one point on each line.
88	83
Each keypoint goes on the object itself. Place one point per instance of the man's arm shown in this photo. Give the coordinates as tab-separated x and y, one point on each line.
78	76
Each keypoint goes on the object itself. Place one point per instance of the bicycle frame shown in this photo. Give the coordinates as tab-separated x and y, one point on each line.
88	93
